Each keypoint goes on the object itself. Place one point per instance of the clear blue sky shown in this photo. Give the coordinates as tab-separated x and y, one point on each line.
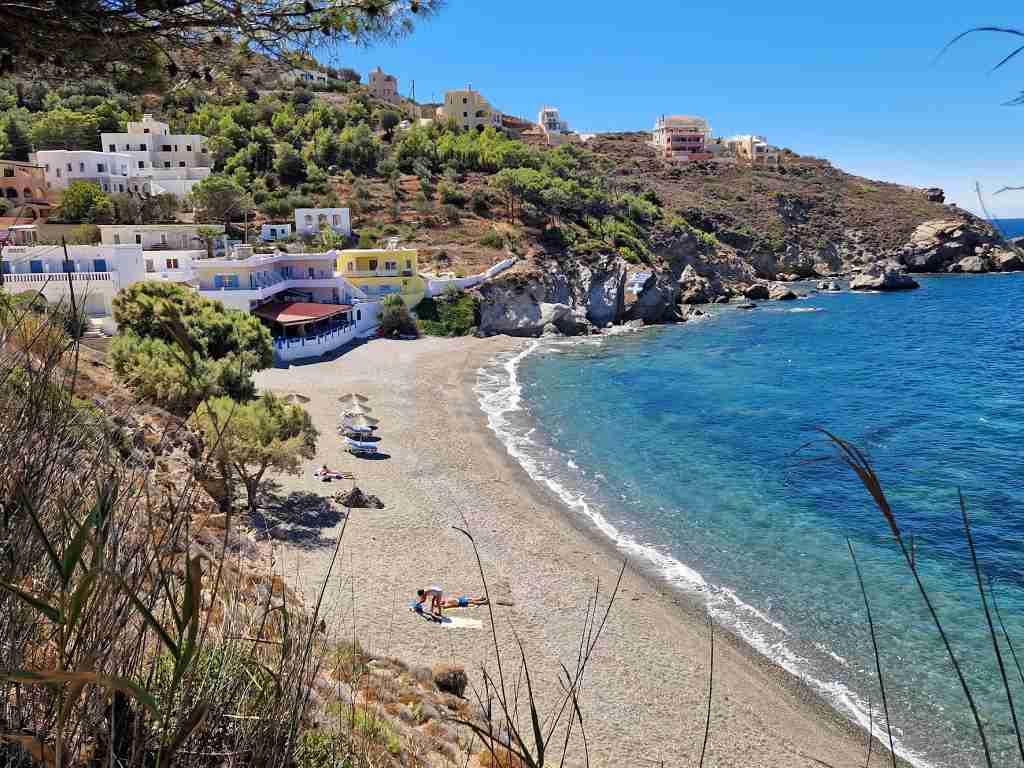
855	82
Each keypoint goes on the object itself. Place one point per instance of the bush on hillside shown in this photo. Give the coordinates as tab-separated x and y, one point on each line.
395	318
453	314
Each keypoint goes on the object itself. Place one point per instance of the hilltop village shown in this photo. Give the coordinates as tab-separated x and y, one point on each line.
254	216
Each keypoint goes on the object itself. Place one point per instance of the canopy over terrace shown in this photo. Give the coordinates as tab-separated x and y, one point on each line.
293	320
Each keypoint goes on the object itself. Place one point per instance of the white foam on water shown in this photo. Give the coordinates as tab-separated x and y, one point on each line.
807	309
499	391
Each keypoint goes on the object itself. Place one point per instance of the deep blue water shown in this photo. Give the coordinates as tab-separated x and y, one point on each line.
1012	227
685	444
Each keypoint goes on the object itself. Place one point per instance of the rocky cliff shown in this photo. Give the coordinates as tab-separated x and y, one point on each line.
736	233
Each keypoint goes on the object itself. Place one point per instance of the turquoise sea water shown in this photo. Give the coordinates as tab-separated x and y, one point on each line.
688	445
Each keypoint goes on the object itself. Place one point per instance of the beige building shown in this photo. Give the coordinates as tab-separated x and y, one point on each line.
469	109
754	150
382	85
682	138
22	183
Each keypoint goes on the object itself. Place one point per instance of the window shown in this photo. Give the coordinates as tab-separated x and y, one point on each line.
120	187
142	163
408	263
81	167
117	239
465	114
138	239
373	265
172	263
99	265
149	265
142	147
175	147
167	164
113	148
336	220
58	173
312	274
47	167
390	265
188	147
35	267
5	268
145	130
26	193
69	167
106	187
10	193
309	220
163	238
181	164
68	266
8	173
100	167
465	100
165	147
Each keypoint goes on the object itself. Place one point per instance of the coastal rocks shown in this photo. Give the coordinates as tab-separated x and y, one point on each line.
357	499
757	292
746	305
829	285
934	195
973	265
518	308
693	289
1007	261
883	276
937	245
605	294
781	293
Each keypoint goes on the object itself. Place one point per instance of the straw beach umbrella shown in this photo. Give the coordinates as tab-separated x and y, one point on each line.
295	398
356	409
361	423
353	397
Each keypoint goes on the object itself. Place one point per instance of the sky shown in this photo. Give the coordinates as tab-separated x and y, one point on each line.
858	83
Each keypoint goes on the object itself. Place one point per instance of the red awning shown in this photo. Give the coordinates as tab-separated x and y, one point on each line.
291	313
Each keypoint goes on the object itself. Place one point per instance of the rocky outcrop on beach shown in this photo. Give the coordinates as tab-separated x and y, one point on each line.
779	292
883	276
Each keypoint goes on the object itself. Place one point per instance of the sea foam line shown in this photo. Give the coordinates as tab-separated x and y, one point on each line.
499	392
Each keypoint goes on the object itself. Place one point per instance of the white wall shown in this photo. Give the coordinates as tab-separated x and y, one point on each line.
83	166
308	220
437	286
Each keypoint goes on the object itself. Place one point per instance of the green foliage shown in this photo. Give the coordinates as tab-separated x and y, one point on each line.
377	730
218	198
451	194
389	120
395	318
177	348
252	437
84	234
319	749
290	168
453	314
83	201
492	239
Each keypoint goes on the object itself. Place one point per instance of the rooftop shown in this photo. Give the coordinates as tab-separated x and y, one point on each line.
292	313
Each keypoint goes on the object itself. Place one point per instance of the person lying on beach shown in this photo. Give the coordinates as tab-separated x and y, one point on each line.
452	602
326	474
436	597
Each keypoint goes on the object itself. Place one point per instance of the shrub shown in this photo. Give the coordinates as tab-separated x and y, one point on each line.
454	314
492	239
452	195
480	202
395	318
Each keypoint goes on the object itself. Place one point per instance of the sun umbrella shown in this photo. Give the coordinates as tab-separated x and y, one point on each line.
356	409
353	397
295	397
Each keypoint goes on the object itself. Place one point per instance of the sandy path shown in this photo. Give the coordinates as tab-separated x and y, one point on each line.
646	690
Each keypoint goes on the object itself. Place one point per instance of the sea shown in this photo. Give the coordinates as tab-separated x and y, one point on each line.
1010	227
698	450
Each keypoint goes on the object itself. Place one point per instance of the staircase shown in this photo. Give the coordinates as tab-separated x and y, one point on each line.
95	337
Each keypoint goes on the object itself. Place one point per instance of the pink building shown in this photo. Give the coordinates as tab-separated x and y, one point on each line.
682	138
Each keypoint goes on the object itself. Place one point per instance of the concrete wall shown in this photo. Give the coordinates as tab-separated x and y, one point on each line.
437	286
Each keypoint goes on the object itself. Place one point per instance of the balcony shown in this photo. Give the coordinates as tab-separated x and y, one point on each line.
38	279
287	350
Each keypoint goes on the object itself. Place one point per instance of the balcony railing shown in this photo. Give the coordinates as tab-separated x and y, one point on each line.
315	345
57	277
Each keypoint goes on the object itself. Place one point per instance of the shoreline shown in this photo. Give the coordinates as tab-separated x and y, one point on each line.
646	690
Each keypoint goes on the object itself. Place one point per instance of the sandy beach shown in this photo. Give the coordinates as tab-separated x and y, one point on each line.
645	694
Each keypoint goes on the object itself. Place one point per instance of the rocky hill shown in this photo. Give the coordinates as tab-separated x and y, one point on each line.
727	229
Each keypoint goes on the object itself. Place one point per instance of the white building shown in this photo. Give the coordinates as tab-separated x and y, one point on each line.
111	170
682	138
173	162
311	310
271	232
309	221
306	76
550	119
181	237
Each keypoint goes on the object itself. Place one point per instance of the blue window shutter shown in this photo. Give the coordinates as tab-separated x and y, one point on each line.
99	265
35	267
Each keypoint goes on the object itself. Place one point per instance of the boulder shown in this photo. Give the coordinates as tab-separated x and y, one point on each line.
757	291
935	195
781	293
883	276
1007	261
356	499
693	289
937	245
746	305
450	679
974	265
829	285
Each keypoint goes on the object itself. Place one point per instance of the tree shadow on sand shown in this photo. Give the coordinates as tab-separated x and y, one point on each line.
297	518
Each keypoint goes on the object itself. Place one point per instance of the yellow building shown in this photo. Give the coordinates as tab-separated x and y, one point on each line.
469	109
380	271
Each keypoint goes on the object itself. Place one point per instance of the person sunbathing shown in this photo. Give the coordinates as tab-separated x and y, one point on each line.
326	474
438	602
